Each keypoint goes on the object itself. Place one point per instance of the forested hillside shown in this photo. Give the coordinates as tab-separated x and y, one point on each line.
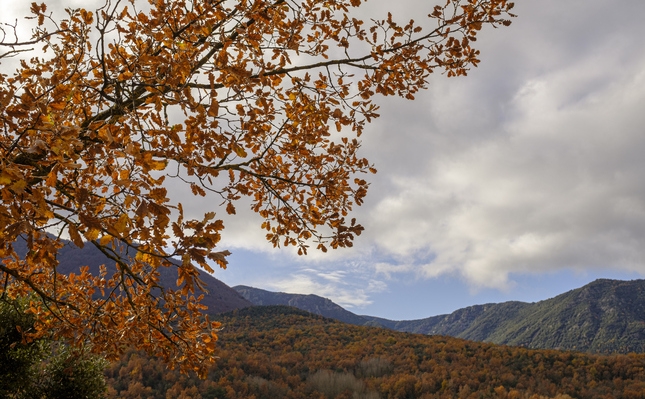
311	303
279	352
605	316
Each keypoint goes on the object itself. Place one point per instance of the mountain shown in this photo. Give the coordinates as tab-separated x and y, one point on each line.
310	303
605	316
220	297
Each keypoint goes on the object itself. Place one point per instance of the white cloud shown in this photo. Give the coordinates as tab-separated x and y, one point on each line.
531	164
336	286
560	187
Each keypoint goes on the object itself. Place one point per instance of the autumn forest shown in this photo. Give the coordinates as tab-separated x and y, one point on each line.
282	352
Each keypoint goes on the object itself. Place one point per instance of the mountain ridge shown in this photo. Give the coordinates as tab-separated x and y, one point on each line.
308	302
604	316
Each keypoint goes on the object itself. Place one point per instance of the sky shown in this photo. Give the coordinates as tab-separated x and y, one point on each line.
521	181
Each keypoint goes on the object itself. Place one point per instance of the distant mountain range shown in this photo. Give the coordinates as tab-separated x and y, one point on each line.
605	316
310	303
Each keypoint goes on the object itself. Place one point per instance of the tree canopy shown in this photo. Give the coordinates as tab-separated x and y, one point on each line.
263	100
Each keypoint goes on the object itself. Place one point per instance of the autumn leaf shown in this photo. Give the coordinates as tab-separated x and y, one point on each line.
156	165
105	240
230	208
58	106
220	258
239	150
5	179
75	236
213	110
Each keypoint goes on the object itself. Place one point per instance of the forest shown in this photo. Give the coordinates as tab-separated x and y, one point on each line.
282	352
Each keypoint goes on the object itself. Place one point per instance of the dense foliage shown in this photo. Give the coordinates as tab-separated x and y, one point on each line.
41	368
279	352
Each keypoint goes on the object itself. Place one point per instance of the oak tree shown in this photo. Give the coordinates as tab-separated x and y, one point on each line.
263	99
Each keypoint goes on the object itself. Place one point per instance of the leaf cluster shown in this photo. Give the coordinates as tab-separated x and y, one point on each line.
262	100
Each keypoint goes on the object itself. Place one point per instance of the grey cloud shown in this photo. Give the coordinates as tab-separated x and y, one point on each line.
534	162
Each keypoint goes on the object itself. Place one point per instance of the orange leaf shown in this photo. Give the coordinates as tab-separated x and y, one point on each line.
75	236
213	110
230	209
58	105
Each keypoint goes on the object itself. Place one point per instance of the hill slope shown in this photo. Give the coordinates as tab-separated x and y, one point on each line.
278	352
310	303
605	316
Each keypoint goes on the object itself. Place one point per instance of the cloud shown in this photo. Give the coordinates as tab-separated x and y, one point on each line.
557	185
344	287
531	164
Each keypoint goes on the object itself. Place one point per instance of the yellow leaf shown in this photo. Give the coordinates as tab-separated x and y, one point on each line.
4	179
239	150
157	165
106	239
46	119
92	234
122	224
19	186
148	163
